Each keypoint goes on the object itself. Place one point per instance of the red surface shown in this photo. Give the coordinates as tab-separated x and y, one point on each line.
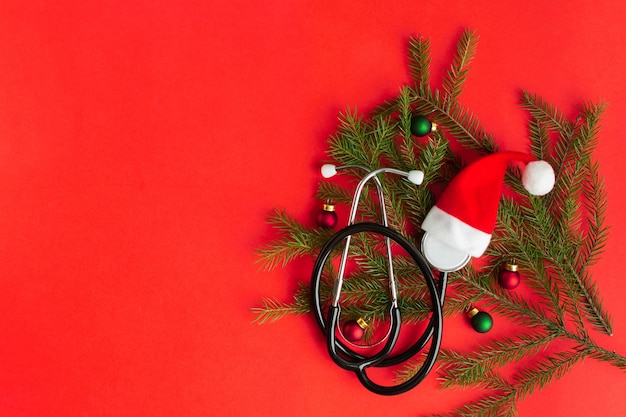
142	144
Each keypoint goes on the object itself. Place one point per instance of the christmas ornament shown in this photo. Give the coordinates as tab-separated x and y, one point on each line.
327	216
421	126
481	321
354	330
509	276
464	216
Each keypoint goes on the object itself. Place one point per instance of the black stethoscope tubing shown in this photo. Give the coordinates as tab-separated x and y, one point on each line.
350	360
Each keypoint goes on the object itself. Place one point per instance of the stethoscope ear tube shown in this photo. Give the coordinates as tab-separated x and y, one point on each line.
350	360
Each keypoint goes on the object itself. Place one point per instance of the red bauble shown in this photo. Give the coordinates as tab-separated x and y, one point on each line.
354	330
509	277
327	217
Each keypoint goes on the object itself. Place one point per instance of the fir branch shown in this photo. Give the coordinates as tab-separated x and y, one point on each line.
395	188
348	146
361	288
541	243
386	109
457	302
572	152
467	369
512	306
581	290
555	242
593	307
408	146
433	156
457	74
415	310
545	113
595	203
508	243
432	159
330	191
375	263
456	119
272	309
410	368
494	405
419	60
569	180
364	142
372	312
297	241
603	355
546	370
574	169
369	209
589	122
382	141
490	380
503	403
539	139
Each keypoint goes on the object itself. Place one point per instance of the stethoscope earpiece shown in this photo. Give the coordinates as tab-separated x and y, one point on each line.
328	170
416	176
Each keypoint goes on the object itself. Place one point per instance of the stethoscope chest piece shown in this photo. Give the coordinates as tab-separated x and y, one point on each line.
442	256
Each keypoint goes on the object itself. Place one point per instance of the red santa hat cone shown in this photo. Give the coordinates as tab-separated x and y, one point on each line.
465	214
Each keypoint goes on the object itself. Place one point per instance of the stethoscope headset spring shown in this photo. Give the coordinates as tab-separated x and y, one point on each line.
340	352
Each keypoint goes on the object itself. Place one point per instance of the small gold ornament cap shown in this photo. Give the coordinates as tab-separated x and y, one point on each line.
433	127
328	206
362	323
473	312
510	266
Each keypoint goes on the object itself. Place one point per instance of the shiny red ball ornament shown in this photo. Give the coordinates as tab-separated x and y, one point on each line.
354	330
509	276
327	217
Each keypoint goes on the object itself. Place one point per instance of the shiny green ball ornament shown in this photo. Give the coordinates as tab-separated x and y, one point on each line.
421	126
481	321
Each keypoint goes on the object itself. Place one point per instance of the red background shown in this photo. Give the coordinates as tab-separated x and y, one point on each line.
143	144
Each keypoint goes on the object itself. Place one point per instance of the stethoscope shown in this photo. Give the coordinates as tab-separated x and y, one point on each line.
343	355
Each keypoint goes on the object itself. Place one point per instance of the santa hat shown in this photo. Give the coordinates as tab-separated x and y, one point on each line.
465	214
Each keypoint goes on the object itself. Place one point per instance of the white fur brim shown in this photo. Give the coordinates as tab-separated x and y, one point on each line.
456	233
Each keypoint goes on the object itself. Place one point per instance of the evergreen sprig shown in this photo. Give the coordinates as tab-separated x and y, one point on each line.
555	239
457	74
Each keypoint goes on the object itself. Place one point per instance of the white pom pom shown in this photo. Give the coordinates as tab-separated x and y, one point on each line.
416	176
538	178
328	170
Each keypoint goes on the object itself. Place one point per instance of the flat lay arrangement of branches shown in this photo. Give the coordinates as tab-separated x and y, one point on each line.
555	239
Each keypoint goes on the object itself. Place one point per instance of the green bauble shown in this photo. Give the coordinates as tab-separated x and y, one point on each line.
421	126
481	321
